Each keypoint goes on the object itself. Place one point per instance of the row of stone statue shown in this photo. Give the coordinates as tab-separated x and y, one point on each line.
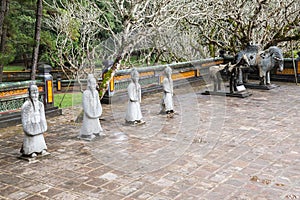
34	120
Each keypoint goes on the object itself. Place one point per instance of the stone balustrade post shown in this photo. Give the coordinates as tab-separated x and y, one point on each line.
44	73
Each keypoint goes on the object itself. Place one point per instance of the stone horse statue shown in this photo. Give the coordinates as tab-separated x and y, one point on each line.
231	70
264	61
241	63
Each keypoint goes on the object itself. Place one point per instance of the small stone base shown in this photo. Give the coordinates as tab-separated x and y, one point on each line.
260	87
34	159
101	134
86	137
242	94
170	115
134	123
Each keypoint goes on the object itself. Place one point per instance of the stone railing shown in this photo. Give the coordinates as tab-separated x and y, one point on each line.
151	77
288	73
13	95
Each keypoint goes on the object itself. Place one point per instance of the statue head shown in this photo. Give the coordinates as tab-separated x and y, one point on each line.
168	72
91	82
33	92
134	75
277	57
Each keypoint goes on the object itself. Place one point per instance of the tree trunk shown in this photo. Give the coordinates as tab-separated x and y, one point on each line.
3	31
2	14
37	38
2	51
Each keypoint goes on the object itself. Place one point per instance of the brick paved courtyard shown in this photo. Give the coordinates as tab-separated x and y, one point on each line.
214	148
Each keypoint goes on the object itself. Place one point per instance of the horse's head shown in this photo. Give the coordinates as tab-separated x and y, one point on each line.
279	63
277	57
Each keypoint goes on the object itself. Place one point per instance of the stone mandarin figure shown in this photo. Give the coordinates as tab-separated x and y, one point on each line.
92	111
167	101
34	125
133	113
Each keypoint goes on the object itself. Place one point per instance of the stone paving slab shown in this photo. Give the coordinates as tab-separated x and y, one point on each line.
214	148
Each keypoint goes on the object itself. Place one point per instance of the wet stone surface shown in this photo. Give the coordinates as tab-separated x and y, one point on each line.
213	148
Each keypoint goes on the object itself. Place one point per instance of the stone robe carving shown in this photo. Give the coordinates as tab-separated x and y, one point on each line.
167	101
34	125
133	113
92	111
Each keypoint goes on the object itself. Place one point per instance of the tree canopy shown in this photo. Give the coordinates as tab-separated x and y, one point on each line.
78	35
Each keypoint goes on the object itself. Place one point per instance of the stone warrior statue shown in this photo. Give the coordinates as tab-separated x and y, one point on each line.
133	113
34	125
92	111
167	101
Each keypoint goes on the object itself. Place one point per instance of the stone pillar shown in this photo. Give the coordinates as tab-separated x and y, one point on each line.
297	63
58	82
44	74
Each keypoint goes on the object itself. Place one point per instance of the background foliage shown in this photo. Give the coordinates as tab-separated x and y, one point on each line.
81	34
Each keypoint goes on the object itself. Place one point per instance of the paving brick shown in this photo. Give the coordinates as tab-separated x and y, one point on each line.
50	193
6	191
18	195
36	197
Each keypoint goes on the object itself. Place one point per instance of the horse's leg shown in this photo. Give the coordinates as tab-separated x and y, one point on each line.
245	77
219	78
268	80
215	83
231	82
240	75
262	76
235	82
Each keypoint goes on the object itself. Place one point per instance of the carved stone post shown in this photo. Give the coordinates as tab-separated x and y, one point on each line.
44	73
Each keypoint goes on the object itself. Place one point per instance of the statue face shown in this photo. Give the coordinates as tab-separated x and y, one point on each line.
135	79
34	92
93	84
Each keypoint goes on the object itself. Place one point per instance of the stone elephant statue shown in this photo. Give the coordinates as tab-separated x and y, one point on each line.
264	61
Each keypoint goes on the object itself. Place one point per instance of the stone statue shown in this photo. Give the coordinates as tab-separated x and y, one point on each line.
133	113
34	125
167	101
265	61
92	111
